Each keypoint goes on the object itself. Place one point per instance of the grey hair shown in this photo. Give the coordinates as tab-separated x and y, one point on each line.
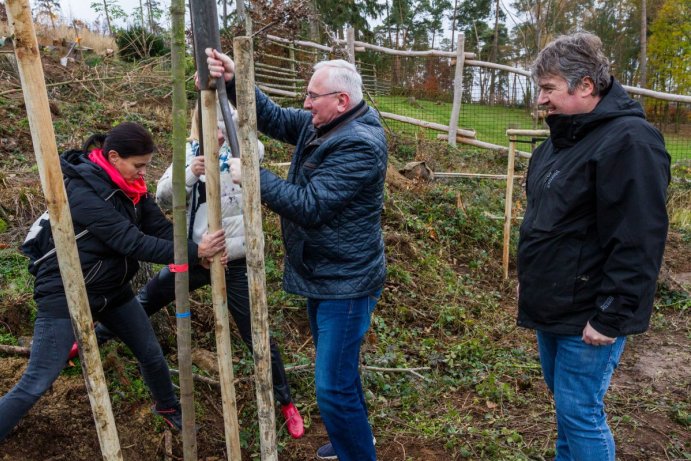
574	57
343	76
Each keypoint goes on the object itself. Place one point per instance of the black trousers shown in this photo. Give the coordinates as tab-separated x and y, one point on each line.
160	291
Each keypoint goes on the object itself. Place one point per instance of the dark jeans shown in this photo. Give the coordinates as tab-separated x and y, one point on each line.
52	340
160	291
338	328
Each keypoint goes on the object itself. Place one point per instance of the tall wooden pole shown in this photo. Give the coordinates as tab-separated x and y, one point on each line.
43	137
182	292
508	205
219	296
206	35
457	89
350	41
254	239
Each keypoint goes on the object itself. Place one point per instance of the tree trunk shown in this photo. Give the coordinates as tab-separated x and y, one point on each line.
105	11
643	77
493	58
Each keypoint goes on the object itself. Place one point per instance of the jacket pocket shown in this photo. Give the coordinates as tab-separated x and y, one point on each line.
91	275
548	279
296	258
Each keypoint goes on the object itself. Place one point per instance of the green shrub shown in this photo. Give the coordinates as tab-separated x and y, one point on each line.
136	43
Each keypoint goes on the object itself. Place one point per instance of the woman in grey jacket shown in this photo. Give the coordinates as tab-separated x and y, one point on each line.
160	291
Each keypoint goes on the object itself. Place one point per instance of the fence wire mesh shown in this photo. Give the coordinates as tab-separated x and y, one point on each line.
422	88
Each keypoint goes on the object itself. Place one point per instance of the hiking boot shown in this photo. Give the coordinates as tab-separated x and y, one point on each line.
74	351
172	416
294	422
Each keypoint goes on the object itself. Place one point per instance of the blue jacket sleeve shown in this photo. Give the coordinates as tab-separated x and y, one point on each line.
282	124
350	165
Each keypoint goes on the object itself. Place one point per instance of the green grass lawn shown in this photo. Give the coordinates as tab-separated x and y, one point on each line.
489	122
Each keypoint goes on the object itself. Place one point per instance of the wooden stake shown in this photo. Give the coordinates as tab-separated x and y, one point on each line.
182	292
457	90
219	295
43	137
254	239
350	44
508	205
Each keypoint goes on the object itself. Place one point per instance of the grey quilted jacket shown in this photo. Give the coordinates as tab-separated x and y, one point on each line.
331	203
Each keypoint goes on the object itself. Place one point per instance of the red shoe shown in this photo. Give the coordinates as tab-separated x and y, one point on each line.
74	352
294	422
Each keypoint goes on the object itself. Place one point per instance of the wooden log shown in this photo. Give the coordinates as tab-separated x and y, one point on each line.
452	175
43	138
270	90
292	47
457	90
536	133
279	86
508	206
182	301
431	125
485	145
275	38
275	69
254	240
283	58
218	280
428	53
492	65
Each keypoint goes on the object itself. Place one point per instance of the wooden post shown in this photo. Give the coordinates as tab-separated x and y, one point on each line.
43	138
508	205
254	240
182	301
205	32
351	44
291	56
219	296
457	89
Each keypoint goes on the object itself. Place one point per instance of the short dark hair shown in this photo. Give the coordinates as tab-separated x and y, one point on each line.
127	139
574	57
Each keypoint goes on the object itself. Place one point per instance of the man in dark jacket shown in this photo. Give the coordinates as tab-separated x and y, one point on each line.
593	235
330	208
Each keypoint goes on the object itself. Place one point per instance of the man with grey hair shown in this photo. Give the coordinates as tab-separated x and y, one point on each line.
330	207
592	238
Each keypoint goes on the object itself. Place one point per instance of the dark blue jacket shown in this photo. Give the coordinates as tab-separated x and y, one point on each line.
594	230
120	234
331	203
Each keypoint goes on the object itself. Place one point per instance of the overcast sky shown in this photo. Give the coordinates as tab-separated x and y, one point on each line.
81	9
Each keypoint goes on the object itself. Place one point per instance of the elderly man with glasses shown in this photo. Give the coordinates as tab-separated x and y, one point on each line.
330	207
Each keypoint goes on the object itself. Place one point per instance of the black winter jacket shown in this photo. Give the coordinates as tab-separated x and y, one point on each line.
331	203
120	234
594	230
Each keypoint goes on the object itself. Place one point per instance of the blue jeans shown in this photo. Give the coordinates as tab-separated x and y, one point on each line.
52	340
578	375
338	328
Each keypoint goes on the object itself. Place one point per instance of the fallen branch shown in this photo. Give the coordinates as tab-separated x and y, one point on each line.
67	82
15	350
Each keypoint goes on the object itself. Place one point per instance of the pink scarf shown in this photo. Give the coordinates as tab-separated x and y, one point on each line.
133	189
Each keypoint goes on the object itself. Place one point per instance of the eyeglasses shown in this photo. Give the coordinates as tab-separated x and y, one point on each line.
313	96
